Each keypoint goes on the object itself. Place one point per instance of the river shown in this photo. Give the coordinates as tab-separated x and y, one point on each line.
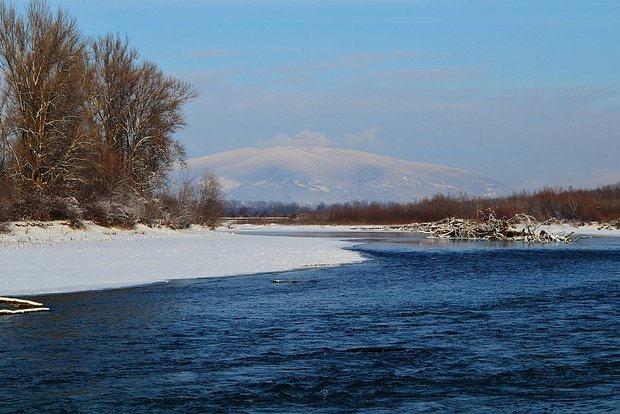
419	327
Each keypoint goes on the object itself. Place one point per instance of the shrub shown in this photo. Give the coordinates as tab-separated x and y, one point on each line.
208	204
65	208
194	203
123	211
178	206
6	201
34	205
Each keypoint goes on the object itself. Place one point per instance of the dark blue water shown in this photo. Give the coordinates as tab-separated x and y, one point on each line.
418	328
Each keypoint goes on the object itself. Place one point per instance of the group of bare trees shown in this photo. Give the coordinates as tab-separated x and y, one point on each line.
574	205
82	117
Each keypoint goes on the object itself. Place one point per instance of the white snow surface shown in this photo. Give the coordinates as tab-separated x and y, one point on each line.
590	229
53	258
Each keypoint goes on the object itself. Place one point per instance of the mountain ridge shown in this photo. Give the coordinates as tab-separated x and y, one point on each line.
313	175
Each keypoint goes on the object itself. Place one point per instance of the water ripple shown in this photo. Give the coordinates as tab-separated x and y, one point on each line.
456	329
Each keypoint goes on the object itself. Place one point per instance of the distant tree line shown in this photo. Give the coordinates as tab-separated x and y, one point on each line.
601	205
264	209
87	127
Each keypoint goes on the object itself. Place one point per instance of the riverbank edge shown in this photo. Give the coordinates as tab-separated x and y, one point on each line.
62	231
51	257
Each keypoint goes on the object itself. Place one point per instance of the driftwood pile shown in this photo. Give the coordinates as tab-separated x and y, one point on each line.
19	306
521	227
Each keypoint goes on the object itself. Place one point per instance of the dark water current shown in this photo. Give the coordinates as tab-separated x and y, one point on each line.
420	327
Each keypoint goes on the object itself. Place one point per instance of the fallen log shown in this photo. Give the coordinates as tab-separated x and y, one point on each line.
22	311
21	306
19	302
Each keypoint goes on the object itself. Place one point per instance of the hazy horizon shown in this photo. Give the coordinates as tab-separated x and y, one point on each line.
525	92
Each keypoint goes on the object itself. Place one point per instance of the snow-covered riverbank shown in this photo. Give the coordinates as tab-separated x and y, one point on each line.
51	257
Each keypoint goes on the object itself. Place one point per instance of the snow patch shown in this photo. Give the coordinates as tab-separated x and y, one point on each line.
317	186
55	258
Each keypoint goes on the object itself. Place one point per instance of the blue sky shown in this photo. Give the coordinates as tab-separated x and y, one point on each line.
527	92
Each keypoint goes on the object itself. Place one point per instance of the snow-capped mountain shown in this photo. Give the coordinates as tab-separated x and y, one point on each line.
312	175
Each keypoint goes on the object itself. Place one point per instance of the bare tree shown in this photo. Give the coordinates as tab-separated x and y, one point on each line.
194	201
43	59
209	205
113	66
4	132
154	116
137	110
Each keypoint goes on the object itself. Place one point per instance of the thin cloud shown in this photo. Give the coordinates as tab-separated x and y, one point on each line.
310	138
364	138
305	138
216	53
351	61
413	74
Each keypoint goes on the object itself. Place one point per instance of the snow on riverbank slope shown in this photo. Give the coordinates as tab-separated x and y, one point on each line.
54	258
51	257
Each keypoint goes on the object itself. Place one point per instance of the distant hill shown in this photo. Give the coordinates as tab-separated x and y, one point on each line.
312	175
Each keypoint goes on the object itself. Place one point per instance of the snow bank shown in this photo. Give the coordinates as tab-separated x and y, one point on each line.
53	232
593	229
54	258
299	228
